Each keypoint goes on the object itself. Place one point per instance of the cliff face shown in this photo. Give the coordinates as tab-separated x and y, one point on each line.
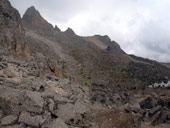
12	35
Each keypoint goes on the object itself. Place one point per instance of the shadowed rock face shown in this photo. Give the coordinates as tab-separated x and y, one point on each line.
12	35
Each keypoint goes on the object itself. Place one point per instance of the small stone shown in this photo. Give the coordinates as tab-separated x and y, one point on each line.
154	110
24	74
8	120
51	105
8	72
3	65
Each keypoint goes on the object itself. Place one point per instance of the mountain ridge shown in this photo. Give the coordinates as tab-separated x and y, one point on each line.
97	54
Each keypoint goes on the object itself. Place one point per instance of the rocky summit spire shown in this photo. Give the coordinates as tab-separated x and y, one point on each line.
32	19
32	16
70	31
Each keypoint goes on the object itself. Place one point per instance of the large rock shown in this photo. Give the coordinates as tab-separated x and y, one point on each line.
15	126
155	110
8	72
147	103
3	65
28	119
134	107
71	111
16	100
35	98
66	111
162	117
10	100
9	120
58	123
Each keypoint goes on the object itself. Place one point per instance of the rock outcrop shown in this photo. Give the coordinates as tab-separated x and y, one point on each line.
12	34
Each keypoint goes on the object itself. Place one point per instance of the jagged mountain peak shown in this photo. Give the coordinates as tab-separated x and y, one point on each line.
57	28
32	19
70	31
30	15
32	8
105	37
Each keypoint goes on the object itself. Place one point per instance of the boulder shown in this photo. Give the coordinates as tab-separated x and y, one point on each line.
147	103
8	72
33	102
161	117
155	110
57	123
70	111
10	100
9	120
134	107
28	119
15	126
51	105
66	111
164	101
3	65
15	101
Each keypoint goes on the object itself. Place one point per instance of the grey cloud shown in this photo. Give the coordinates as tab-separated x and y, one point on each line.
155	38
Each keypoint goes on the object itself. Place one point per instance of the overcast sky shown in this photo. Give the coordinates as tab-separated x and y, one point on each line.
141	27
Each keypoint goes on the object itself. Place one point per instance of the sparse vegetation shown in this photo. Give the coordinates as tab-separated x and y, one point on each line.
39	74
133	88
86	84
89	77
65	77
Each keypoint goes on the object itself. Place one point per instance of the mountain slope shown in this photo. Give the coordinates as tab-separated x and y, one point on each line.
94	58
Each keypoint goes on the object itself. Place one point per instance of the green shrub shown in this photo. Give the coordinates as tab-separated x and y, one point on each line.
133	88
86	84
39	74
65	77
1	113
